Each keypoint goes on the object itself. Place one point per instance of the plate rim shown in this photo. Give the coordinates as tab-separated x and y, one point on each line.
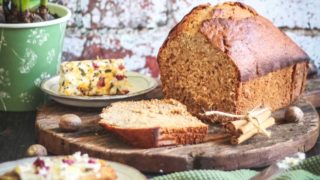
154	84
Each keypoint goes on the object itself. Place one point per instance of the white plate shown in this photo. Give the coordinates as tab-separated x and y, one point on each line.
140	85
123	172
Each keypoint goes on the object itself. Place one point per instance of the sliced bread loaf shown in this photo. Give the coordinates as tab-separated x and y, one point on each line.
229	58
152	123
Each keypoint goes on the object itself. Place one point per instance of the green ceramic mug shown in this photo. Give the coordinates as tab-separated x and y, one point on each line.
29	53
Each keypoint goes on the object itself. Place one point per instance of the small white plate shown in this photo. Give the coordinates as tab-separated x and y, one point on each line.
140	85
123	172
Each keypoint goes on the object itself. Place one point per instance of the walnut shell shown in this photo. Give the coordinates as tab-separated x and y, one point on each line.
293	114
70	122
36	150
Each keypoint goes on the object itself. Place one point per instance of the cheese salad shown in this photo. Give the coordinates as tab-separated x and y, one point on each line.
93	78
71	167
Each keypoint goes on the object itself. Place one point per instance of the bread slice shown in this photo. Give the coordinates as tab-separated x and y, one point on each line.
153	123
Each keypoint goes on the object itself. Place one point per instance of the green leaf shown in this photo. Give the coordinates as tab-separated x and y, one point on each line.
34	3
24	5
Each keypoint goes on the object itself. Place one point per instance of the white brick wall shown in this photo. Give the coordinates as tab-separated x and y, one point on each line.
283	13
135	29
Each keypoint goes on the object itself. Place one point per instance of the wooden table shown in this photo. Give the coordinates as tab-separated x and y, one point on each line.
17	129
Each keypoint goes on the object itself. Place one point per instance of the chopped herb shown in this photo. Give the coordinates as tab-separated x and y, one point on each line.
107	70
90	85
82	72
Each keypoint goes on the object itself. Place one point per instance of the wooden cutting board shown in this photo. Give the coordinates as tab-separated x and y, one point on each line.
218	154
257	152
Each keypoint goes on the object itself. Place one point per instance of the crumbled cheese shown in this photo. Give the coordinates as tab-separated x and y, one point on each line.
93	78
71	168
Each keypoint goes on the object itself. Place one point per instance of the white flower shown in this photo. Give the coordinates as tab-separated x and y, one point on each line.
37	36
4	95
4	77
26	97
28	60
289	162
2	40
51	55
43	76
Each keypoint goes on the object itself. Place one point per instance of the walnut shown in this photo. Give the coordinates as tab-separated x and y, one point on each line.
70	122
293	114
36	150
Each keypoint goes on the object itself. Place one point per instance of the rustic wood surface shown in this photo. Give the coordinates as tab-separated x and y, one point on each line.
17	133
257	152
312	92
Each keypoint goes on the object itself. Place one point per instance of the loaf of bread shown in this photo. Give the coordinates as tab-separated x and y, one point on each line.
229	58
74	167
93	78
152	123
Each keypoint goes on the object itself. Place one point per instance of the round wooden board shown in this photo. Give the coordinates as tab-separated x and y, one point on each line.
256	152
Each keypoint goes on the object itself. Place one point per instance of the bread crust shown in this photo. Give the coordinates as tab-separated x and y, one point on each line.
264	47
157	136
266	50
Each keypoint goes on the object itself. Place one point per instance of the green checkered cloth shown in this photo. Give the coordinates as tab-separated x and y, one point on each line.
309	169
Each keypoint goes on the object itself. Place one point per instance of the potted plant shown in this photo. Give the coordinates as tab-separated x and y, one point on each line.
31	40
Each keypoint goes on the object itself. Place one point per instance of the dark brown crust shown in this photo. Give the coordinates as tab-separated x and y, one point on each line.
156	137
299	75
243	6
142	137
255	45
266	48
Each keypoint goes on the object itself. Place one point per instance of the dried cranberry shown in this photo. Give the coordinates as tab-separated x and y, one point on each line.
92	161
101	82
119	77
95	66
68	161
121	67
39	163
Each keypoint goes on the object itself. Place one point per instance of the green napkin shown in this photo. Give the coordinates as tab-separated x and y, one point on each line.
209	174
308	169
311	164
